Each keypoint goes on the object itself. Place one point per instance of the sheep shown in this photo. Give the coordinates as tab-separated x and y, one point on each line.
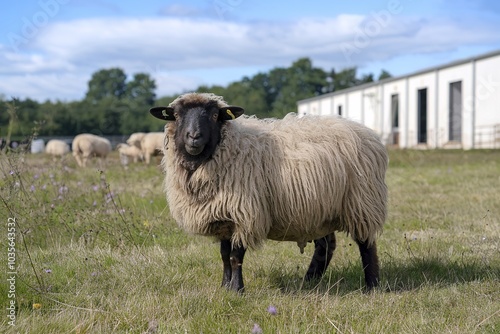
57	148
135	139
244	180
152	145
129	151
87	145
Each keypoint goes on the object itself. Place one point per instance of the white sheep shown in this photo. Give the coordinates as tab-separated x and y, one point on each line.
152	145
87	145
135	139
129	152
296	179
57	148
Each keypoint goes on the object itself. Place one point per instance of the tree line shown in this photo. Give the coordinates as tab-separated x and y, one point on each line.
114	105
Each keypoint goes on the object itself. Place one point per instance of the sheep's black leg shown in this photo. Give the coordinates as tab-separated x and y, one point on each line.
369	259
323	252
225	252
232	258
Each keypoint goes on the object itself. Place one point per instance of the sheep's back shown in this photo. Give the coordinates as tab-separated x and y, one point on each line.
330	177
87	143
56	147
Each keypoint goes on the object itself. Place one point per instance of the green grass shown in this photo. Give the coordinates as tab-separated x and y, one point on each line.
97	250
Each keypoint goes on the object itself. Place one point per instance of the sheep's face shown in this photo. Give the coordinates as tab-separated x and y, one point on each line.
197	128
197	132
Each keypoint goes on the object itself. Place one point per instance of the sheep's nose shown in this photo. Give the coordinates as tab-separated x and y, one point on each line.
194	135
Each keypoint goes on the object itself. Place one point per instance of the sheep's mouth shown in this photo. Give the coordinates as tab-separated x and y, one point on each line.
194	150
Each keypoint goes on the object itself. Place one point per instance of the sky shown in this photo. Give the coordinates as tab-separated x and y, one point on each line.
49	49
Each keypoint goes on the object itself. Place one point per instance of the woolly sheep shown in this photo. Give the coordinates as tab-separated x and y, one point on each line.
298	179
135	139
151	145
87	145
57	148
129	152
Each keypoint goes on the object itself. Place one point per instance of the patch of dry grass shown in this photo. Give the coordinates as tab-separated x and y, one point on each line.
103	256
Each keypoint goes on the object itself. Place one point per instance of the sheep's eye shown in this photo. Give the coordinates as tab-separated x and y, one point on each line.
215	116
176	115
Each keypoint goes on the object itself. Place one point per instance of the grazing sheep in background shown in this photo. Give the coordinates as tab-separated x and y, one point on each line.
135	139
296	179
87	145
129	152
57	148
152	145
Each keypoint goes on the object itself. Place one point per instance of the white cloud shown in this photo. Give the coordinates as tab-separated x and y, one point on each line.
166	47
65	87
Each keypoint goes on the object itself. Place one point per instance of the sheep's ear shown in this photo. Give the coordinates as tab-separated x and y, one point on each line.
164	113
230	112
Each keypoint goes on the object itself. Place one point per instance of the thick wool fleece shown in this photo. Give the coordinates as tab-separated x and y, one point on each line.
296	179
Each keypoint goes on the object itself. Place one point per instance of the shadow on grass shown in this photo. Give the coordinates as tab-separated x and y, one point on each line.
395	277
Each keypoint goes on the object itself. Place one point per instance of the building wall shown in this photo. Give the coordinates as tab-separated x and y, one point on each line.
476	120
486	103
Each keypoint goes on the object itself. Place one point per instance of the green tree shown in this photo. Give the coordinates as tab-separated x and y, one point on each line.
106	83
344	79
384	75
366	78
252	99
141	89
300	81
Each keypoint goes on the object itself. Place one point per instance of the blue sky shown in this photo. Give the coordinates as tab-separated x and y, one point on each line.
50	48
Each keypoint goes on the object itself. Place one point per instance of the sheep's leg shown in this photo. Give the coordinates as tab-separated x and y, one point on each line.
78	160
232	259
225	252
369	259
323	252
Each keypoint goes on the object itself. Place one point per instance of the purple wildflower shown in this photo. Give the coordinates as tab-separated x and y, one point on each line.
11	172
63	190
48	271
32	188
272	310
95	203
109	197
256	329
36	176
95	188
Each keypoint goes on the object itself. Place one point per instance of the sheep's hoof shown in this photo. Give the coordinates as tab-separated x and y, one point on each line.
230	287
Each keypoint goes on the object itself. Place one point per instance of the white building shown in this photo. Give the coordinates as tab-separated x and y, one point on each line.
456	105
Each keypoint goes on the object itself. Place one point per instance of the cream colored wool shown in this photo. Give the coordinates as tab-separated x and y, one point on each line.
57	148
151	143
296	179
87	145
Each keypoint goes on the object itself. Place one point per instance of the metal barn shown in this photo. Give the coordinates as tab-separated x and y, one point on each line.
456	105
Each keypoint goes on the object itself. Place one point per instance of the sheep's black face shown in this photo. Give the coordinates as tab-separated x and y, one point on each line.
198	121
197	134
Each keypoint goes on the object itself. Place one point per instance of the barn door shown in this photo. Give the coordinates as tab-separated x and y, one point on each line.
422	116
455	113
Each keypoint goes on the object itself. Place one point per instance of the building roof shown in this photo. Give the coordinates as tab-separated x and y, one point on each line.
384	81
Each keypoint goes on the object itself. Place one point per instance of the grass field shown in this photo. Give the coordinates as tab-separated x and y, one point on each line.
96	252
